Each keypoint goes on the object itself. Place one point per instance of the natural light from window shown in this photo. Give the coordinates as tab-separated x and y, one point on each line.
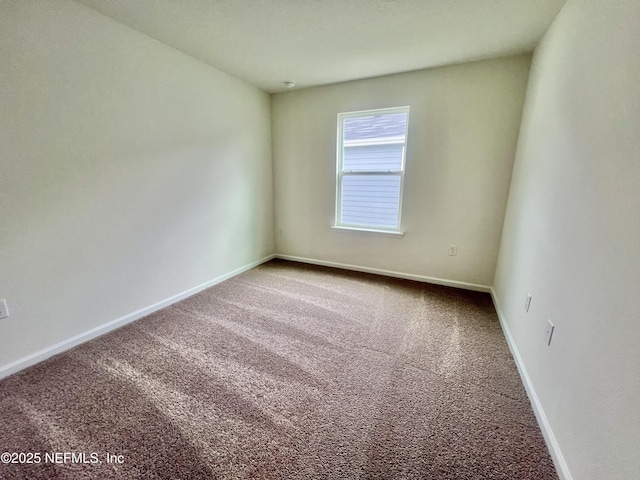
371	161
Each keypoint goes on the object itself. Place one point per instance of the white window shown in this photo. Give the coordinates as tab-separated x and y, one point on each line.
371	158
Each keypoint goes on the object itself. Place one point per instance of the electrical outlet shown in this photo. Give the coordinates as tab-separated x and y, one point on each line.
527	302
453	250
548	333
4	310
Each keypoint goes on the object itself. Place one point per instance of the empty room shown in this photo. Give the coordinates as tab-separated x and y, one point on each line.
320	239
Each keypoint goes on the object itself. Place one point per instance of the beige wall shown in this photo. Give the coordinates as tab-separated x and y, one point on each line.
129	173
463	127
571	237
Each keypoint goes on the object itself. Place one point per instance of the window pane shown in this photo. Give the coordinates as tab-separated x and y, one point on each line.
381	157
371	167
375	127
371	200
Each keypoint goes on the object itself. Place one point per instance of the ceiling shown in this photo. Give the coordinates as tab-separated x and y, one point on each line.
317	42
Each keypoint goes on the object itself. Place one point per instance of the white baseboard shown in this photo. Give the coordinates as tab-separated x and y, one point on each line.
552	444
390	273
60	347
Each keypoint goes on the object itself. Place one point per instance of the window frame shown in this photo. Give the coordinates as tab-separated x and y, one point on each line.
340	172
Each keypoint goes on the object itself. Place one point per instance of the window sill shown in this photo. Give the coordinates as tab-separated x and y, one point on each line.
384	233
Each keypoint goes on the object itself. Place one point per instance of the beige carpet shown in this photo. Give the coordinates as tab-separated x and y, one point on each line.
286	371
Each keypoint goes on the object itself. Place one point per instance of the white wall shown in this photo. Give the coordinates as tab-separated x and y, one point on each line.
129	173
463	128
572	237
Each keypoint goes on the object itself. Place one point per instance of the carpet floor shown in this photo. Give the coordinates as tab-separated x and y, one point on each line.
284	372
